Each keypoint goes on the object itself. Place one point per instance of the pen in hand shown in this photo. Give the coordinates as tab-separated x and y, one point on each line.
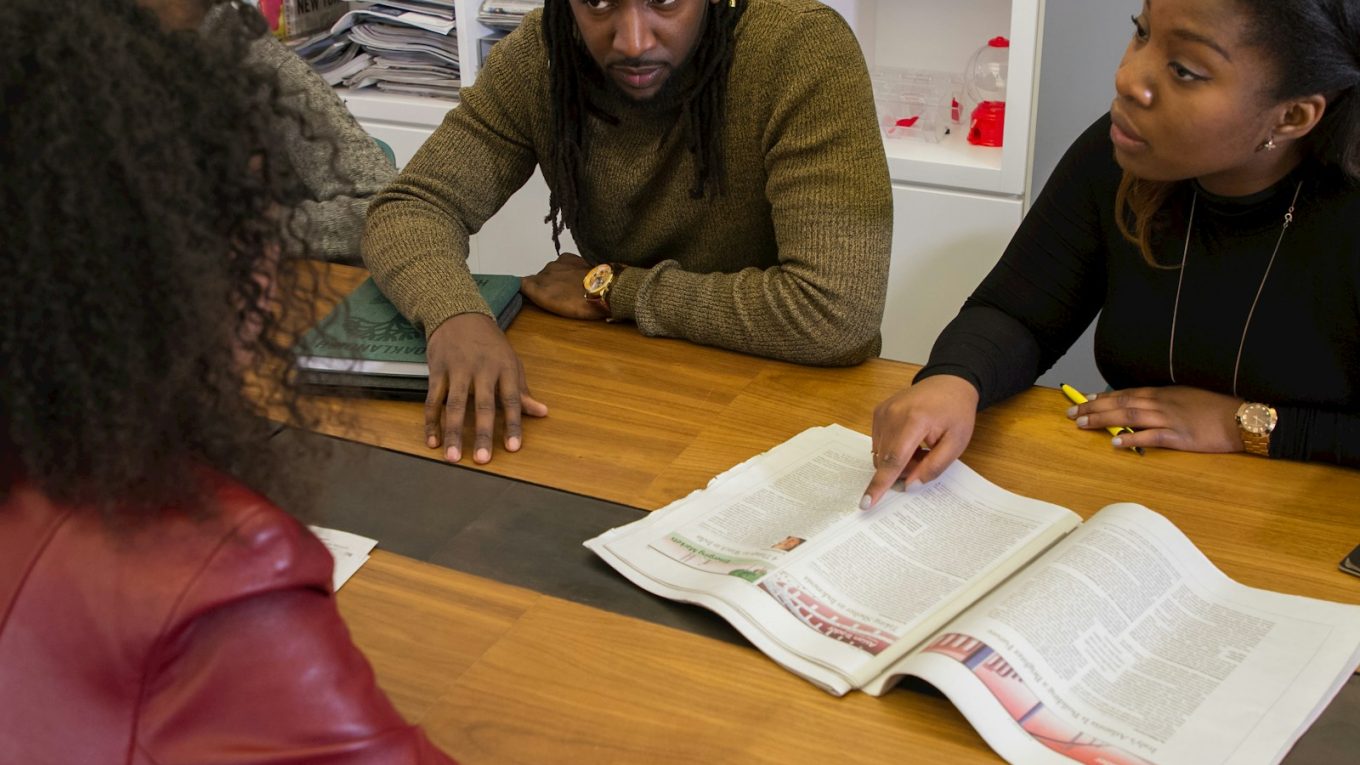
1075	397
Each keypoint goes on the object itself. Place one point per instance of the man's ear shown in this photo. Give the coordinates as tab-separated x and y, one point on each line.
1300	116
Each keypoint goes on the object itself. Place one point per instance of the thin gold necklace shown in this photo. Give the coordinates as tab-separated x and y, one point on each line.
1175	308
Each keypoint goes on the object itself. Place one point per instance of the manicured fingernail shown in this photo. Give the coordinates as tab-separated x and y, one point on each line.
1071	412
482	455
512	444
453	454
915	483
866	502
1117	441
432	441
1081	421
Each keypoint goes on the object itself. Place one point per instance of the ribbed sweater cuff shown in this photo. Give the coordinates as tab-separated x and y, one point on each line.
438	306
623	295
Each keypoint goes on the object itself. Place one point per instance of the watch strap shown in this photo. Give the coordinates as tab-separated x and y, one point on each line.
1256	443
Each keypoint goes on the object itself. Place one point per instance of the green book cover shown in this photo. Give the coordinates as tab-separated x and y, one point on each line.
366	333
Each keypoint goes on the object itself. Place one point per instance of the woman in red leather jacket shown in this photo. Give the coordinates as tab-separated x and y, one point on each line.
155	606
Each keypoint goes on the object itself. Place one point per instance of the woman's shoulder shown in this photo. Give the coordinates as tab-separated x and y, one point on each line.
256	547
1092	153
1086	179
1325	216
1337	192
137	583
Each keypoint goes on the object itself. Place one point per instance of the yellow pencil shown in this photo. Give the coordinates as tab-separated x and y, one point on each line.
1075	397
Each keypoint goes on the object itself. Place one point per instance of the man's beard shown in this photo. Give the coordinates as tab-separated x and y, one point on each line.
663	98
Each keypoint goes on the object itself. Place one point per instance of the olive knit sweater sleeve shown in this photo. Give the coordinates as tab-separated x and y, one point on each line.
416	240
790	262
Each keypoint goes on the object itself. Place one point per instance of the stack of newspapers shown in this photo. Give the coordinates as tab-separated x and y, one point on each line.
400	46
506	14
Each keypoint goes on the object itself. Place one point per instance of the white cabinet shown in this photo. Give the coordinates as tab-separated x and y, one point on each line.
403	122
955	205
943	243
516	240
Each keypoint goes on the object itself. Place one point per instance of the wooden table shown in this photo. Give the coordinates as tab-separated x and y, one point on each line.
500	674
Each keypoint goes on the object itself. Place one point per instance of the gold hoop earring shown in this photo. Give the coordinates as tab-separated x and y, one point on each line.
1269	145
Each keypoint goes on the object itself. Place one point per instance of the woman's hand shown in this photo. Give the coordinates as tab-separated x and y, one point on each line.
1172	417
937	413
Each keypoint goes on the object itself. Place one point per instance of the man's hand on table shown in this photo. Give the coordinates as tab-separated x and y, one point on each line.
558	289
472	365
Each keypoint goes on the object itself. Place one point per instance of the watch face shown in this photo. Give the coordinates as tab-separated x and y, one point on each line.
1256	418
598	278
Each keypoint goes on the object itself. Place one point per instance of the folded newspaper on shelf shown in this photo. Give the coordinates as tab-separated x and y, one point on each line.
506	14
400	46
339	72
381	39
441	8
387	14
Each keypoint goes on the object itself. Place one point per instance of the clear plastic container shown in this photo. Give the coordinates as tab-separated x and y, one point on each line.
915	104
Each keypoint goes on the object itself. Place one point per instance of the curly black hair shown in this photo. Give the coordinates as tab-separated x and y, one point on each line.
144	240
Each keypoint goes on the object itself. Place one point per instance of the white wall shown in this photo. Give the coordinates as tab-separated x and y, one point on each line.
1083	41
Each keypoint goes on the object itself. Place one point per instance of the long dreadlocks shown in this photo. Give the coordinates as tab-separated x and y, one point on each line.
703	106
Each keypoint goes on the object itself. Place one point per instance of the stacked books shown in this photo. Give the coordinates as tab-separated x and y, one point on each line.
366	346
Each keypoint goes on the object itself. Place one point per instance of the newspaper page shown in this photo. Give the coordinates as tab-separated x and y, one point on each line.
1124	645
779	547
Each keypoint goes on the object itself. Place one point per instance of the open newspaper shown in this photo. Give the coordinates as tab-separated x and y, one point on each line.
1114	641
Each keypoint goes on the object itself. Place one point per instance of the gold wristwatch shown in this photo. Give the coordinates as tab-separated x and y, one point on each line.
1256	422
598	281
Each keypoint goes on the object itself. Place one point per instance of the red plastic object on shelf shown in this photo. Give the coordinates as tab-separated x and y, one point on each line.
986	82
989	124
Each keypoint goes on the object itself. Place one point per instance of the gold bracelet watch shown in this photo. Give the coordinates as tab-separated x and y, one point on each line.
1256	422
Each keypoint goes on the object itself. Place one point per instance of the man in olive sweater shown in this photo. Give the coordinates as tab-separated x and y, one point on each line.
718	164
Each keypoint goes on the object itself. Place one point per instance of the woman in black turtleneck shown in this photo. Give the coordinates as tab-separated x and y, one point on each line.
1222	328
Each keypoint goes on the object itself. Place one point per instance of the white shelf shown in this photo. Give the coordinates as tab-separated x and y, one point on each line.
951	163
940	35
371	104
